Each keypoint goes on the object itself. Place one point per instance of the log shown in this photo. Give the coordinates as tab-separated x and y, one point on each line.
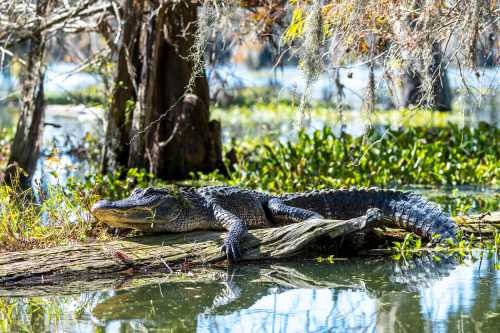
484	225
161	252
100	265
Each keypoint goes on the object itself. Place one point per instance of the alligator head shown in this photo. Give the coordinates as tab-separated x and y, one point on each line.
143	209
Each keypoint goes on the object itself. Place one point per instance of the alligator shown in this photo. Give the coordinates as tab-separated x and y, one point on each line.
235	209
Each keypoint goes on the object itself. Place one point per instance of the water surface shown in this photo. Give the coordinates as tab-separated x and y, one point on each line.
440	293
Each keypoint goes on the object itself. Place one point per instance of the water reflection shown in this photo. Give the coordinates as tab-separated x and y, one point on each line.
426	294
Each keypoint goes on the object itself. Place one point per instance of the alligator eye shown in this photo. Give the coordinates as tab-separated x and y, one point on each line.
136	191
149	190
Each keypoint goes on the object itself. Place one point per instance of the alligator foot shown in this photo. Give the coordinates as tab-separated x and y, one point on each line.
231	248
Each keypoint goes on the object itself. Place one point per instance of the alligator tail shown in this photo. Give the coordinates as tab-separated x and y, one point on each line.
407	210
413	212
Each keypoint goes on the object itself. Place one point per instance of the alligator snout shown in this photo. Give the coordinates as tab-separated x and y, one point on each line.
100	205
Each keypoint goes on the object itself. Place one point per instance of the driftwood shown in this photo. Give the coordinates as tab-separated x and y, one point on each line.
78	267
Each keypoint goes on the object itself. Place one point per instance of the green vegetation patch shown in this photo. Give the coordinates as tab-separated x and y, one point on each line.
38	219
432	156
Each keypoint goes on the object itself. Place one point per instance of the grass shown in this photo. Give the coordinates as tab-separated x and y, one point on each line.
411	245
61	215
38	219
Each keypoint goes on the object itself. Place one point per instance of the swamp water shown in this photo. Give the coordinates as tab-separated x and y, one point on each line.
440	293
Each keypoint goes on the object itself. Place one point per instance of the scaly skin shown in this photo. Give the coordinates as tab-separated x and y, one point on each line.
236	209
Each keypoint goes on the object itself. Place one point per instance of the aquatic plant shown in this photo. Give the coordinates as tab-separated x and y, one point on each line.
410	242
431	156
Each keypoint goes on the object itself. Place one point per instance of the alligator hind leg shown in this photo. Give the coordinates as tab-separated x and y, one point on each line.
283	213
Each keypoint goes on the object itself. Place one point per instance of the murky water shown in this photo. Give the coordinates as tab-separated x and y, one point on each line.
441	293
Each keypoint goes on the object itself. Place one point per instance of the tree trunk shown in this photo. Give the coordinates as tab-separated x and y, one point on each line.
411	91
119	117
170	132
25	147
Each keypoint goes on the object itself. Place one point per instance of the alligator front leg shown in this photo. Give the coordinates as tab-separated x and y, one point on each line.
237	229
283	213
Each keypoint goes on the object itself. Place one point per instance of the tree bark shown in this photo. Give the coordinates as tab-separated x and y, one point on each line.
170	132
168	252
25	147
119	117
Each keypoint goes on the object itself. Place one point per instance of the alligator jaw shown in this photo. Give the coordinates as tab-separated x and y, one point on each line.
120	216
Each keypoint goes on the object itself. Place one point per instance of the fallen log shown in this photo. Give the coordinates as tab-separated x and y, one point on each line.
164	252
169	252
483	226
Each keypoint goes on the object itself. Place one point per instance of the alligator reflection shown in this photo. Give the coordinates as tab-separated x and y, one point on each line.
422	294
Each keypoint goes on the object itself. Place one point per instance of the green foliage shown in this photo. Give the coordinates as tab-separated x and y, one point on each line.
466	245
58	217
436	156
115	185
91	95
409	243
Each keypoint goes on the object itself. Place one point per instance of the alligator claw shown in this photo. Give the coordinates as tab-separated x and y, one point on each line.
232	250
